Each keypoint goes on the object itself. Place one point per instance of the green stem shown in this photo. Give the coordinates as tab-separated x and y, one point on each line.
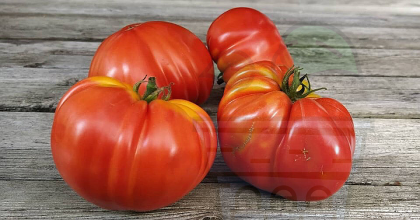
152	90
292	89
137	85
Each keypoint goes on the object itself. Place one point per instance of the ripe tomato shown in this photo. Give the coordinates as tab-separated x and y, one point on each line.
120	152
242	36
280	141
167	51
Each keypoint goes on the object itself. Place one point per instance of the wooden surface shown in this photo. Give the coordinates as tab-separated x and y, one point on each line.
367	54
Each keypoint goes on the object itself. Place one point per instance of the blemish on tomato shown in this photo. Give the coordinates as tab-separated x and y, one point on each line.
247	140
131	27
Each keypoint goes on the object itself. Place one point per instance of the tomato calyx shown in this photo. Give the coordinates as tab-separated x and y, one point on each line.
297	89
152	90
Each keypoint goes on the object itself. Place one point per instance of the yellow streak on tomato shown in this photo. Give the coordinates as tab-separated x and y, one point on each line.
253	70
190	108
111	82
250	85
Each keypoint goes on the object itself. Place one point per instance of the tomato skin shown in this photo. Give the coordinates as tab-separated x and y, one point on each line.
122	153
167	51
241	36
301	150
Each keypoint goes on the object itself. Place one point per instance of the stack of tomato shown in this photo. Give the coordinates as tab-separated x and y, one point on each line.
127	142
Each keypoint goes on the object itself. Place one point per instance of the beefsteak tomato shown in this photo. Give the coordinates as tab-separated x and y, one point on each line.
167	51
242	36
121	151
280	137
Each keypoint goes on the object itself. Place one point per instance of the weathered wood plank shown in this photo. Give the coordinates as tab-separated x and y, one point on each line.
52	29
37	89
54	199
123	7
94	22
317	60
386	151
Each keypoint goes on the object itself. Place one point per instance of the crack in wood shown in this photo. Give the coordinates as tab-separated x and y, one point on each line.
34	65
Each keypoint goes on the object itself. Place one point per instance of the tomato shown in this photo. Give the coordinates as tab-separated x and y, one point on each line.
121	151
242	36
167	51
280	137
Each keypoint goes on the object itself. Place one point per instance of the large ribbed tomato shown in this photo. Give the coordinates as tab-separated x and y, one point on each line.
279	139
244	35
121	152
167	51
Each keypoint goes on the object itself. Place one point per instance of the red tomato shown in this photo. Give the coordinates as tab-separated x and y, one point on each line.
167	51
281	141
123	153
243	35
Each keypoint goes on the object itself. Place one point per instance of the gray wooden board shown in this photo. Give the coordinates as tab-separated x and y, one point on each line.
384	180
388	26
358	13
386	151
37	89
123	7
97	29
54	199
318	60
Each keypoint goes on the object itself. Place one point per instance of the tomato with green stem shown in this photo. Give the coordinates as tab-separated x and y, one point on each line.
123	151
161	49
277	135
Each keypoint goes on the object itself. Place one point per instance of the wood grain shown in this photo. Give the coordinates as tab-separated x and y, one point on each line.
123	7
27	156
37	89
364	26
321	59
213	201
